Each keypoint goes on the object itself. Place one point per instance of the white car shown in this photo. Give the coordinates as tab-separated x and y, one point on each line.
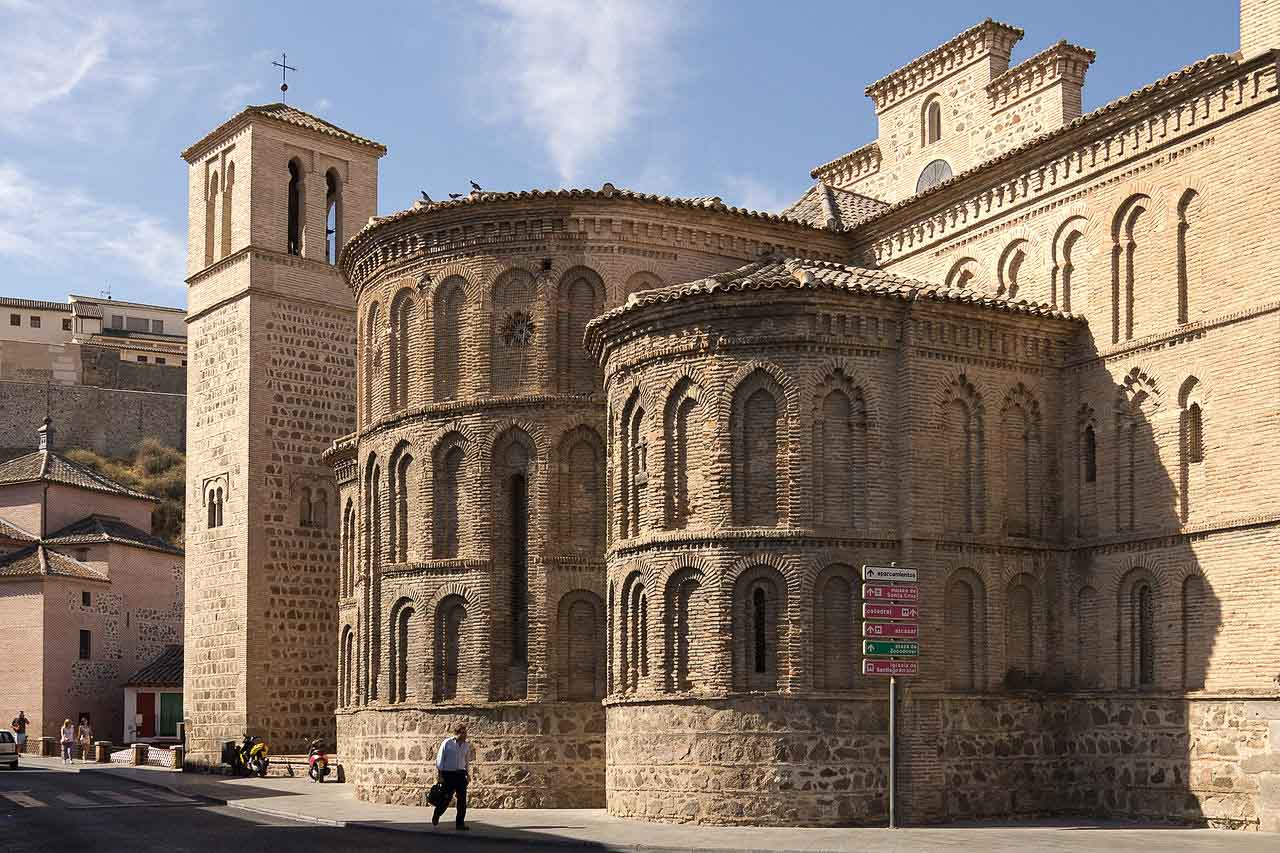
8	750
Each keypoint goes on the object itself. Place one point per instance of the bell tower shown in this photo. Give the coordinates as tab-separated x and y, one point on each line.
273	194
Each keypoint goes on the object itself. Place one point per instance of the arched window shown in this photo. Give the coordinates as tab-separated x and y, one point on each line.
965	618
372	642
932	175
634	633
404	322
757	433
1197	632
759	616
579	629
401	648
1187	256
1195	435
447	497
512	465
965	459
582	295
965	274
1137	630
400	485
211	218
683	606
332	215
835	644
635	465
1090	454
1012	262
346	663
297	207
1020	634
1023	464
304	508
1131	259
1070	266
214	503
227	186
582	495
348	549
681	416
931	121
1088	635
840	448
320	509
450	304
451	617
372	342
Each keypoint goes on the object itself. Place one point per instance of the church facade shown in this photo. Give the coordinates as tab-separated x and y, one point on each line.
1028	351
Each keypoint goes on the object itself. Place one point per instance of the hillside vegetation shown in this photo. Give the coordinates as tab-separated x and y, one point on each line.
154	470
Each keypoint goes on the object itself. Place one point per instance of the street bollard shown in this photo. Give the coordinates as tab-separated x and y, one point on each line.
102	751
139	754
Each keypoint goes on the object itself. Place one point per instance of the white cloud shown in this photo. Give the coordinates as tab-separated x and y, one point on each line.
75	68
65	227
237	96
754	194
574	74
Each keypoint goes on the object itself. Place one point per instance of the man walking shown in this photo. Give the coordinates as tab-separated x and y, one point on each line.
19	725
451	763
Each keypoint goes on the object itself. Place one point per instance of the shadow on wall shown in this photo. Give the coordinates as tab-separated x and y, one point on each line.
1097	712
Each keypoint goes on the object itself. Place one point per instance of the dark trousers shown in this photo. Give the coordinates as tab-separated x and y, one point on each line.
455	782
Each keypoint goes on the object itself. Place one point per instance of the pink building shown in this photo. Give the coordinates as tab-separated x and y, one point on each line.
88	596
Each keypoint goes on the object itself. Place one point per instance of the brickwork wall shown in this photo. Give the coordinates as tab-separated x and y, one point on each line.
473	375
22	614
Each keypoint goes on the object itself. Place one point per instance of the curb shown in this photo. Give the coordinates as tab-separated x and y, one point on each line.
148	783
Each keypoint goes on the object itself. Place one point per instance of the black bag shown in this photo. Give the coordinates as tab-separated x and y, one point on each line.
435	796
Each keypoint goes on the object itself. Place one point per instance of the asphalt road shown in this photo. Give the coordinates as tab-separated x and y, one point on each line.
53	811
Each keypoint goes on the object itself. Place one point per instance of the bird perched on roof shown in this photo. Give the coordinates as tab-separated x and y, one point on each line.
425	197
455	195
476	186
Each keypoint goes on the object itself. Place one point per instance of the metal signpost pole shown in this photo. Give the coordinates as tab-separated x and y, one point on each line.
893	750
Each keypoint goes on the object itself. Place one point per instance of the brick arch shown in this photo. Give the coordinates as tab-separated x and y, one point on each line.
1139	617
634	615
1024	630
1023	455
822	376
761	461
401	477
456	655
448	493
465	274
1016	261
833	627
1139	390
685	613
956	276
840	451
963	445
1075	242
582	497
580	671
401	648
789	384
965	629
684	451
535	431
451	319
576	371
761	608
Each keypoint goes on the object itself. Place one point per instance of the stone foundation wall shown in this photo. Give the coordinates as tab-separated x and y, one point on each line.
536	755
777	761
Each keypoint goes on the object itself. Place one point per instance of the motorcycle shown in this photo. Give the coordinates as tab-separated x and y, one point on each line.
317	763
251	757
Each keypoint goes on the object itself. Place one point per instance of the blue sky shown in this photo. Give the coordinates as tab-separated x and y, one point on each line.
736	99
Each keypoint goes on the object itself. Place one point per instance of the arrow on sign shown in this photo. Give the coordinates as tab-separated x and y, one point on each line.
890	592
891	648
891	630
890	611
892	574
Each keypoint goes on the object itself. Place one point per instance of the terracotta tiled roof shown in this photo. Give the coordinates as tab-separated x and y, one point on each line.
1205	69
38	561
802	273
824	206
164	671
49	467
608	190
97	529
15	533
288	115
33	304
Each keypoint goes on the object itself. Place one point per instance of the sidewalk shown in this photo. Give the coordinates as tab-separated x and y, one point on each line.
332	804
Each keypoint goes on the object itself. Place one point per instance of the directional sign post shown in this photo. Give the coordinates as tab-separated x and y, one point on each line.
891	644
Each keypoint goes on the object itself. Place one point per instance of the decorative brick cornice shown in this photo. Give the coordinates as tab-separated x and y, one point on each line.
1061	62
988	37
847	168
1179	106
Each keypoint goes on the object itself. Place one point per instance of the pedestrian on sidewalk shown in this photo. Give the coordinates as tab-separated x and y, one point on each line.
19	726
68	740
451	763
86	739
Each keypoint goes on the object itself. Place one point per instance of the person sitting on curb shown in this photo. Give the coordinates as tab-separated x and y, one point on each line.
451	764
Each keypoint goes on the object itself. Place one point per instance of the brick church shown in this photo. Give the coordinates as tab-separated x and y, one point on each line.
594	470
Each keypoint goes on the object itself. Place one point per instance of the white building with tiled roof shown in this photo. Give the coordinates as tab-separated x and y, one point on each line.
88	594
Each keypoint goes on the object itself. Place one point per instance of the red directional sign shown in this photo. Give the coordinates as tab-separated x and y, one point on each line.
890	592
872	666
890	611
891	630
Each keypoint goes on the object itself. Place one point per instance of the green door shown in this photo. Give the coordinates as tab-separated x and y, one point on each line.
170	714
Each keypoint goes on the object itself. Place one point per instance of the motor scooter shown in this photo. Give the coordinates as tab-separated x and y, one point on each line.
317	762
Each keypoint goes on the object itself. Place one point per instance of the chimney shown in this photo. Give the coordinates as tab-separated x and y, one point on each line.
46	435
1259	27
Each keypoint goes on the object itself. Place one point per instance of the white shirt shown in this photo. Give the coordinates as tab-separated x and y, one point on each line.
453	755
